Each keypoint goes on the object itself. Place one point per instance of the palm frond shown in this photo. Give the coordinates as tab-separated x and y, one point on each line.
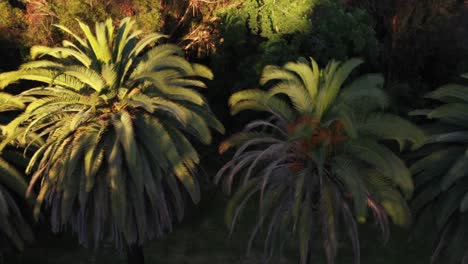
392	127
440	172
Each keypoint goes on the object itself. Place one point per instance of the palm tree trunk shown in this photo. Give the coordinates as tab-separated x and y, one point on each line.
135	254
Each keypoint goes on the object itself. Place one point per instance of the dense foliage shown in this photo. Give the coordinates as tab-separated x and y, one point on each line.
108	139
257	33
441	173
31	20
317	162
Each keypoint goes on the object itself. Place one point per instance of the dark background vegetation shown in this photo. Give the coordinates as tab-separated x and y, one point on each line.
417	44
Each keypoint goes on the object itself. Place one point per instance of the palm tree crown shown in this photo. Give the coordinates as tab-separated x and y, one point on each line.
318	162
113	117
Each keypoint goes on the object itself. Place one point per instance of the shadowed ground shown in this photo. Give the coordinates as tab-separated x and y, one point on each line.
203	239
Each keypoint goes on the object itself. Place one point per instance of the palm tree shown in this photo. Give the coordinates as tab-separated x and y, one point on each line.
116	113
441	173
317	163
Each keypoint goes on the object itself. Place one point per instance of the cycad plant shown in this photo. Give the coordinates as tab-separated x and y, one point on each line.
116	113
441	173
318	163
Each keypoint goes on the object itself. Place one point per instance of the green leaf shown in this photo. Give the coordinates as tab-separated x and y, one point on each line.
458	170
237	201
350	176
388	126
384	161
450	93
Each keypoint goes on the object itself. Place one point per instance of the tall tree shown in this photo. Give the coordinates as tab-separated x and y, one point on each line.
115	112
317	162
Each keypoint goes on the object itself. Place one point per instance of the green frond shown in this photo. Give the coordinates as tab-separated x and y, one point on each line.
178	111
140	100
345	113
75	36
238	201
451	137
199	128
116	181
184	147
239	139
450	93
60	53
41	75
93	159
10	102
176	195
124	130
351	177
366	90
388	126
157	53
121	38
453	113
296	93
173	87
181	82
146	42
109	75
98	51
435	164
335	76
46	64
275	73
316	77
306	75
102	41
179	166
39	200
109	29
260	101
87	76
390	198
202	71
163	57
384	161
